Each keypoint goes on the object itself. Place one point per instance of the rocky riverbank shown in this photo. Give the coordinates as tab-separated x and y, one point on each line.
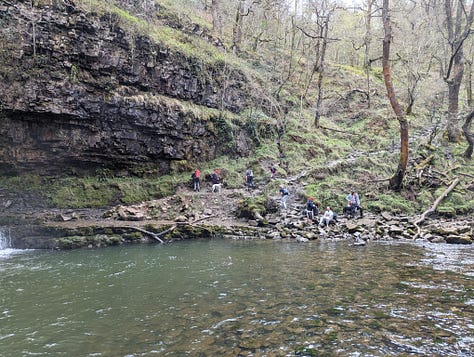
192	215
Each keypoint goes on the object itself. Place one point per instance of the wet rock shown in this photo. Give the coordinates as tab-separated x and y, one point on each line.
456	239
273	221
437	239
63	218
395	230
252	223
300	239
386	215
464	229
310	235
274	235
353	226
445	231
359	242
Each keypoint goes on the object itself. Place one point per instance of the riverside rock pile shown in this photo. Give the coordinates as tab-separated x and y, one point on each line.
293	224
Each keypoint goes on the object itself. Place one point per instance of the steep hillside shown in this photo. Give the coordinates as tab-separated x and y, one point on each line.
104	107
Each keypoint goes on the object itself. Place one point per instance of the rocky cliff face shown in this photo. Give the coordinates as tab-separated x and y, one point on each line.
80	93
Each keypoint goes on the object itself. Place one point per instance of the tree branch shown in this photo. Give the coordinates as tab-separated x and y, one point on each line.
433	207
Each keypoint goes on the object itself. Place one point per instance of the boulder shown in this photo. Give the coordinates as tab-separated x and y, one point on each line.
458	239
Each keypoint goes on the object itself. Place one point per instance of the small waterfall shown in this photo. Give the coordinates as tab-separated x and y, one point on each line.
5	241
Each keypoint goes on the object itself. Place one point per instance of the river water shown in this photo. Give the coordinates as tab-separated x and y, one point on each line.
239	298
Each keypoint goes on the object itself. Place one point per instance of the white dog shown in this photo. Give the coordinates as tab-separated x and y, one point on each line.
216	187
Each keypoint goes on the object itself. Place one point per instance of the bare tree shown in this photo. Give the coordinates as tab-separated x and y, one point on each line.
466	128
396	181
458	28
323	12
217	18
237	29
367	45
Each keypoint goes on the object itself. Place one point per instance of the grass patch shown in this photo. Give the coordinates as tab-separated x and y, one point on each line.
392	203
94	192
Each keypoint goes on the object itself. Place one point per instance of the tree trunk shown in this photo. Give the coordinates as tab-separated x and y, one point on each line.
397	180
237	29
458	29
367	43
217	25
453	102
324	36
290	60
469	83
466	129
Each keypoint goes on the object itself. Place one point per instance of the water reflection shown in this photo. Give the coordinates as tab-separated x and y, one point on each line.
247	298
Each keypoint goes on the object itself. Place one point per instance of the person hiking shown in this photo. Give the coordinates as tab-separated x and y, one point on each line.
215	177
284	196
197	180
327	217
353	202
273	171
249	178
310	207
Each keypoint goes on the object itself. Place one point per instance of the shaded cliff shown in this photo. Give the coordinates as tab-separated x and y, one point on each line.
80	93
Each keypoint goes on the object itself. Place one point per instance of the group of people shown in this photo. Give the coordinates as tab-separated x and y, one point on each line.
353	205
215	179
249	176
312	210
329	216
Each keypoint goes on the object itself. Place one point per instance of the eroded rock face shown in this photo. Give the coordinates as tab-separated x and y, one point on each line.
79	93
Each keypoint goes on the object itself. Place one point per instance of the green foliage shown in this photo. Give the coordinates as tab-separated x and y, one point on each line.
224	132
22	183
74	73
259	126
425	199
391	203
455	204
97	192
331	191
247	206
306	351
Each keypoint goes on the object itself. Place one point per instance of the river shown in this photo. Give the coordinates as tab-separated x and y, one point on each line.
239	298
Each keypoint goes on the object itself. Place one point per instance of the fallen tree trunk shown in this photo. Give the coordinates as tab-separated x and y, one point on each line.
338	131
156	236
424	163
433	207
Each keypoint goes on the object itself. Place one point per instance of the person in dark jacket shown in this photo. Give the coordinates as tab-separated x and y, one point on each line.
311	208
284	196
